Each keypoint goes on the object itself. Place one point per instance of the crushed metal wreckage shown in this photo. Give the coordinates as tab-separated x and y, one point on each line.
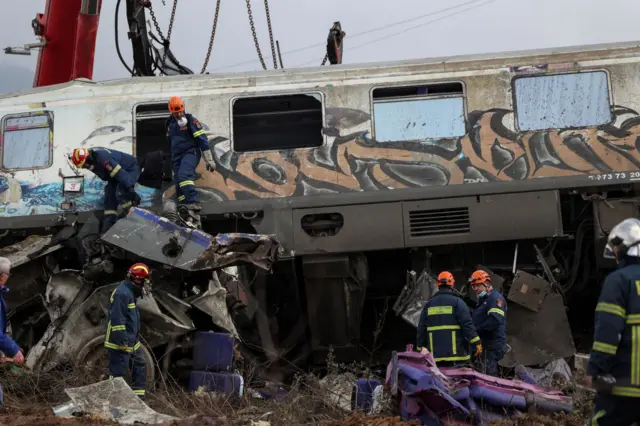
58	310
437	396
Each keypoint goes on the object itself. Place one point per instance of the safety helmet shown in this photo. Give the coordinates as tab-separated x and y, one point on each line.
139	273
79	157
479	277
623	240
176	104
446	278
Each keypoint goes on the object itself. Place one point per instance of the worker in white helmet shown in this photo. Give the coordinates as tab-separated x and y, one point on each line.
7	345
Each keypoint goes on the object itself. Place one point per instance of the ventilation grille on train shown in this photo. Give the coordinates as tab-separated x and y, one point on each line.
427	223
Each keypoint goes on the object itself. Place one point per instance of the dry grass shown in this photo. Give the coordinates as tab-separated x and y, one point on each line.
28	399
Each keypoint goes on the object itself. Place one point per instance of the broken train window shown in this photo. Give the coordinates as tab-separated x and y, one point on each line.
277	122
408	113
562	101
27	141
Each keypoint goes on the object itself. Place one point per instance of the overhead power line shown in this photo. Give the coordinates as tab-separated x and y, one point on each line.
351	48
352	36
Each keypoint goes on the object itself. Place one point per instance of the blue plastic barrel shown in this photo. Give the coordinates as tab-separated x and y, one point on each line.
363	393
213	351
227	383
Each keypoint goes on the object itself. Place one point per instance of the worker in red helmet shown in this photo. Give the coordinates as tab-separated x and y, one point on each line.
123	329
445	327
188	141
119	170
490	320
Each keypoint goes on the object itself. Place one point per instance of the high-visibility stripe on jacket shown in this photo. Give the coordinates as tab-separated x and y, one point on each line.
616	346
446	328
123	327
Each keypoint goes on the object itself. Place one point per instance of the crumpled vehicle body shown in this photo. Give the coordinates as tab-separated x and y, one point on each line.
72	307
158	239
463	395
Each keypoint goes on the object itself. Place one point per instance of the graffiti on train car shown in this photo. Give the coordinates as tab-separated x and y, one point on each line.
489	152
352	161
18	198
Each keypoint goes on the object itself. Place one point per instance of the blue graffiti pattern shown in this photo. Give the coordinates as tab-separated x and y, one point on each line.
48	198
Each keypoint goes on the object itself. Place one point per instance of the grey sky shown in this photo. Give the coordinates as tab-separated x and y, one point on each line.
497	25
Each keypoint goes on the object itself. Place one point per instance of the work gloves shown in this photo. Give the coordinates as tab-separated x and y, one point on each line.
604	384
208	159
478	350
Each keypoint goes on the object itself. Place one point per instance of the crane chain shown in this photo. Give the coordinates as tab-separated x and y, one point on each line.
213	35
173	17
255	36
155	23
165	41
273	47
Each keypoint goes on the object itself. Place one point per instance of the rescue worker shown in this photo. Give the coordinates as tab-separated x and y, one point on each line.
188	140
123	329
614	363
445	327
119	170
490	320
10	348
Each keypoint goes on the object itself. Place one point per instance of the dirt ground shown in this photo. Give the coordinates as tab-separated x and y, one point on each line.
45	417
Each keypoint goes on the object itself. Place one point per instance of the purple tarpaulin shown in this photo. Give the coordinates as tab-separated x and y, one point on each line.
463	395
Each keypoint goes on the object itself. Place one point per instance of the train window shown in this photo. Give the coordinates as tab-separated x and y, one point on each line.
562	101
277	122
418	112
27	141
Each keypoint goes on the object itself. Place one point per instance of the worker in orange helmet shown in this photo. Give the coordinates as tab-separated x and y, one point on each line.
119	170
490	320
123	329
188	141
445	327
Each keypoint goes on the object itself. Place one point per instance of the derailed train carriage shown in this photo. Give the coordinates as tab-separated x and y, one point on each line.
516	162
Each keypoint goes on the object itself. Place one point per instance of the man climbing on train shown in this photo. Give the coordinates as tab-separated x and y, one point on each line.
614	363
188	141
119	170
445	327
123	329
490	320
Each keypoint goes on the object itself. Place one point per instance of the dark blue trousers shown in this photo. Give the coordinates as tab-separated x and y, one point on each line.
611	410
120	362
115	195
184	175
489	359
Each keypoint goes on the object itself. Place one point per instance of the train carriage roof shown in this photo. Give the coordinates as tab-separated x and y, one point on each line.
81	88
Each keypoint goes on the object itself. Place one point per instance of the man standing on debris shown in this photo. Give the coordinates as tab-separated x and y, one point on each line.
187	139
119	170
123	330
490	320
445	327
7	345
614	362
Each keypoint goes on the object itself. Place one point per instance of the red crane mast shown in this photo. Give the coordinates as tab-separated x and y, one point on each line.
68	30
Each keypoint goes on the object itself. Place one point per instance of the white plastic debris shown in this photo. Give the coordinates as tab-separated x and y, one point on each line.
112	400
